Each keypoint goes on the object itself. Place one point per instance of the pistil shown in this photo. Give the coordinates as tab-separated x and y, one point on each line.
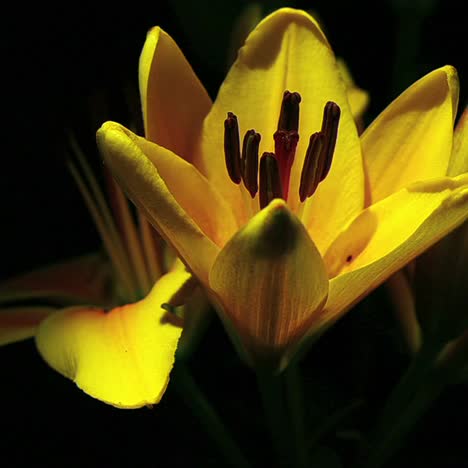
286	137
285	150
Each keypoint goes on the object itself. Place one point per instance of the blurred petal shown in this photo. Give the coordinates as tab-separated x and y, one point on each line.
20	323
402	299
82	280
443	270
287	51
357	97
459	160
411	140
388	235
248	18
175	198
270	280
173	99
122	357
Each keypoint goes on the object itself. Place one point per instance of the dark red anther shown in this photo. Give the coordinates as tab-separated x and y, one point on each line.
232	148
270	183
310	176
330	122
289	115
249	161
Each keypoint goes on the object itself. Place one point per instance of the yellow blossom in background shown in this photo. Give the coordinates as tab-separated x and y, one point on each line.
104	325
286	232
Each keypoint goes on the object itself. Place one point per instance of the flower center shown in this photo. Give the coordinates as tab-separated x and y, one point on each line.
271	178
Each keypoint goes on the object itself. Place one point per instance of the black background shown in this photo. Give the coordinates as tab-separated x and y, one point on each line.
58	65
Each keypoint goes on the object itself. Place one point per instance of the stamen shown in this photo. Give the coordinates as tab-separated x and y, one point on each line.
270	184
289	115
232	148
310	176
330	122
249	161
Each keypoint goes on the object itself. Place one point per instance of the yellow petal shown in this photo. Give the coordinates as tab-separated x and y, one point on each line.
270	281
82	280
173	99
390	234
287	51
122	357
176	199
411	140
459	160
20	323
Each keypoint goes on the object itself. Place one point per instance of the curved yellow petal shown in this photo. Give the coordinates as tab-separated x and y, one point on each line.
20	323
122	357
82	280
174	101
270	281
411	140
459	160
287	51
388	235
176	199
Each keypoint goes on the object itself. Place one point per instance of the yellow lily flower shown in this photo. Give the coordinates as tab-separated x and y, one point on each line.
431	299
286	246
121	348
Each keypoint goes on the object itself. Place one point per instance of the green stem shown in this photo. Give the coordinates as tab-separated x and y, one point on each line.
271	392
295	401
332	422
411	397
419	368
194	398
402	425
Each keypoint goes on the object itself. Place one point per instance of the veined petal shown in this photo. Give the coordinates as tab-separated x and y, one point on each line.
20	323
287	51
174	101
122	357
82	280
459	160
176	199
270	281
411	140
388	235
